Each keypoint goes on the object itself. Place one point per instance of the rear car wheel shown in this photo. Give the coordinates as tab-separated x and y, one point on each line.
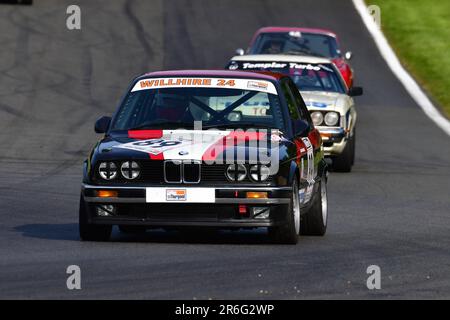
344	162
88	231
288	233
314	222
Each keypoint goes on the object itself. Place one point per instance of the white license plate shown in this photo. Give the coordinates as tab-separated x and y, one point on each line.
180	195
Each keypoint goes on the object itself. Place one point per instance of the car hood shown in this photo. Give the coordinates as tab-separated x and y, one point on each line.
325	101
202	145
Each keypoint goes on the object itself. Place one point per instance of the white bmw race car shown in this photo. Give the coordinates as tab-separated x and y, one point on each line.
326	95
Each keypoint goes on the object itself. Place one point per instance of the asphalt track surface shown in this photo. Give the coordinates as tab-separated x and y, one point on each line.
393	210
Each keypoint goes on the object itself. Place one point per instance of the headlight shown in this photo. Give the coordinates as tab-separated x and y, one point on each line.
259	173
331	118
317	118
107	170
130	170
236	172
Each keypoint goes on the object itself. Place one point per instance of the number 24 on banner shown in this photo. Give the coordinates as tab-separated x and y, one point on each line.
224	82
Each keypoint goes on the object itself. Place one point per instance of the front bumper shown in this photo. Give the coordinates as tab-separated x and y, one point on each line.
131	207
334	140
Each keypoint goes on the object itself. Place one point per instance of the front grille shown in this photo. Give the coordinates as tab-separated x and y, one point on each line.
172	172
152	171
213	172
191	172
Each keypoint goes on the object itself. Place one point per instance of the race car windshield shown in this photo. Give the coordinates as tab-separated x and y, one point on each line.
296	43
175	108
307	77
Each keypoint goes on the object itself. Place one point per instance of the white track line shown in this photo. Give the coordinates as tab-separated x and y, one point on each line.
405	78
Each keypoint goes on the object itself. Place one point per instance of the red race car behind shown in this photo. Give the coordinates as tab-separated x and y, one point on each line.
303	41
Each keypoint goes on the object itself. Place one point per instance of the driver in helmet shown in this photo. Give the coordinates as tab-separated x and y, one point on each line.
273	47
173	108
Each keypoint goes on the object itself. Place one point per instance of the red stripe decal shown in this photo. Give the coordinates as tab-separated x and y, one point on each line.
242	136
159	156
145	134
231	140
315	138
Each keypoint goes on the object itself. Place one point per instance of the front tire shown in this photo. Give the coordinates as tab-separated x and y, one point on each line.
353	146
314	222
88	231
288	233
344	162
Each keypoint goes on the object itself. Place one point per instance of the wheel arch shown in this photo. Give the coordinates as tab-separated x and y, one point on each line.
294	173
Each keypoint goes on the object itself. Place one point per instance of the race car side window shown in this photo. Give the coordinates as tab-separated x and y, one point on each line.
300	103
293	110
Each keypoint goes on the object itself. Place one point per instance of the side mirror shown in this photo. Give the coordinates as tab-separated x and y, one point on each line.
300	127
240	52
348	55
355	91
102	124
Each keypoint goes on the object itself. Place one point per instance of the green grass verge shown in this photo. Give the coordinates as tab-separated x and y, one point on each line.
419	33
